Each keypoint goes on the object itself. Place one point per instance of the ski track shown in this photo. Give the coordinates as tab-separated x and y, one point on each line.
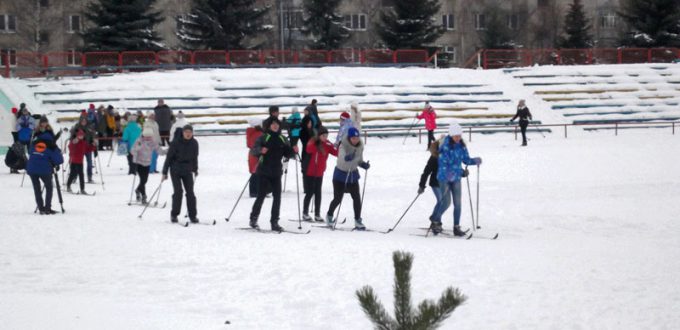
588	240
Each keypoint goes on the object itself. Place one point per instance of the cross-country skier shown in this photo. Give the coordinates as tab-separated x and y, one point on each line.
430	122
45	156
318	149
346	176
524	118
131	133
142	155
452	153
182	162
78	147
430	171
88	129
271	148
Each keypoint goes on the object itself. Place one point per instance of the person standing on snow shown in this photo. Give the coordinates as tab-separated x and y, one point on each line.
25	126
345	125
271	148
430	171
13	122
178	126
524	118
294	126
318	149
314	115
131	133
452	153
346	176
142	155
164	116
252	134
78	147
430	122
45	156
150	123
182	162
273	115
84	125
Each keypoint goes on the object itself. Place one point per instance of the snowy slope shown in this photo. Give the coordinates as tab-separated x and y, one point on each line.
588	241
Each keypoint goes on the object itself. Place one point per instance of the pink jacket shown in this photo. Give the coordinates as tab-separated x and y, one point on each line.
430	119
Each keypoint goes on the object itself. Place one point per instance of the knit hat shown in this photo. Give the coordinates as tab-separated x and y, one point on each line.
273	109
344	115
43	119
132	117
295	110
14	110
180	114
352	132
188	128
323	130
147	131
92	106
455	129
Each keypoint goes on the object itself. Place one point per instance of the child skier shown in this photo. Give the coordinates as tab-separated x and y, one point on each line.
294	122
452	152
430	171
270	148
430	122
318	149
78	147
346	176
131	133
142	156
524	118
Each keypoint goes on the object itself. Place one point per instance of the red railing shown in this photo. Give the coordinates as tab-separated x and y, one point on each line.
508	58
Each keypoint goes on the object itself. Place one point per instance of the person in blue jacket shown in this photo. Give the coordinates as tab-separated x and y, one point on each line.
45	156
452	154
294	124
131	133
25	127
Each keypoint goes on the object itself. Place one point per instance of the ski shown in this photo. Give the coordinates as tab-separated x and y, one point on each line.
81	194
214	222
306	221
162	206
494	237
181	223
333	228
266	231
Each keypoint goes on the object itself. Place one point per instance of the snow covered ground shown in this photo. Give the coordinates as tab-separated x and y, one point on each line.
588	240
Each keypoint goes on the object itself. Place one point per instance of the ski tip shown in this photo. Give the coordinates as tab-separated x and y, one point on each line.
226	219
469	236
495	236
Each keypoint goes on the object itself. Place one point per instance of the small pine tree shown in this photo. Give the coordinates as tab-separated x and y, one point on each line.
497	34
122	25
651	23
410	25
221	24
324	25
576	27
429	314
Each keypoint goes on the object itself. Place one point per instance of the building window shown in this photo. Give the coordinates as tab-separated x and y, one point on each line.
8	54
356	22
72	58
543	3
449	22
73	24
608	20
293	19
8	23
480	22
451	53
44	37
44	3
513	21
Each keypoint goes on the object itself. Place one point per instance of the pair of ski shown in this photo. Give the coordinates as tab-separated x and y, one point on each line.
187	223
267	231
468	234
154	205
82	193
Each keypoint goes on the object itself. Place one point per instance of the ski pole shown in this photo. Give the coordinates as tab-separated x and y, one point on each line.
539	130
478	227
41	191
101	173
363	190
239	199
22	179
297	188
402	216
152	196
409	129
112	152
285	178
157	198
61	199
472	211
134	180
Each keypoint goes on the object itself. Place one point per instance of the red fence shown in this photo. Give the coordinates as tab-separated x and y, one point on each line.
70	63
509	58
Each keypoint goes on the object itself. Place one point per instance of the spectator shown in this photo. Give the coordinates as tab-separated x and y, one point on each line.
164	119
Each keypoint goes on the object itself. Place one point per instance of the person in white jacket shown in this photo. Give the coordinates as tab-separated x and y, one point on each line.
152	125
355	114
180	122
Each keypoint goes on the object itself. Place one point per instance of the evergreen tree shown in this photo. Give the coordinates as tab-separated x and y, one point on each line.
651	23
576	27
497	33
324	25
120	25
410	24
428	315
221	24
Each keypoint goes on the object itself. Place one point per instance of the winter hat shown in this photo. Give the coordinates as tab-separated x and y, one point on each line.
188	128
455	129
150	114
273	109
147	131
91	106
43	119
22	106
132	117
180	114
344	115
83	113
323	130
354	105
352	132
110	107
252	122
14	110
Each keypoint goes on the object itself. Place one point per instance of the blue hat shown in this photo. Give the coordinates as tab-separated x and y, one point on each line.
352	132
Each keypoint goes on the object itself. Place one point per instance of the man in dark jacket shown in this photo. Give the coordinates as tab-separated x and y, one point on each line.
314	114
164	120
44	157
524	118
270	148
273	114
182	161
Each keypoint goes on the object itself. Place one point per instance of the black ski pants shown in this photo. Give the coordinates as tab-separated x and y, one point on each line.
143	173
339	190
76	170
47	181
267	184
523	124
430	138
186	180
312	187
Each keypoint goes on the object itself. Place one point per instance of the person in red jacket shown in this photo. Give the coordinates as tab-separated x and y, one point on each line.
430	122
318	149
252	134
77	149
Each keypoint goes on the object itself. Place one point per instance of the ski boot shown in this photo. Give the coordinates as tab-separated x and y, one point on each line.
458	232
194	220
436	227
173	219
329	220
359	225
306	217
276	227
48	211
83	192
144	201
89	180
253	223
138	196
68	189
318	218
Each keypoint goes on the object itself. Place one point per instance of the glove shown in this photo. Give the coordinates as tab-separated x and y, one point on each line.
478	160
349	158
365	165
421	190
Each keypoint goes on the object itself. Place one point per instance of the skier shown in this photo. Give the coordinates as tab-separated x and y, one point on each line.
452	152
142	156
430	122
78	147
44	129
84	125
294	126
318	149
524	118
100	128
355	114
25	126
306	133
178	126
131	133
345	125
273	114
45	156
252	134
163	115
346	176
430	171
151	123
182	161
314	114
270	148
